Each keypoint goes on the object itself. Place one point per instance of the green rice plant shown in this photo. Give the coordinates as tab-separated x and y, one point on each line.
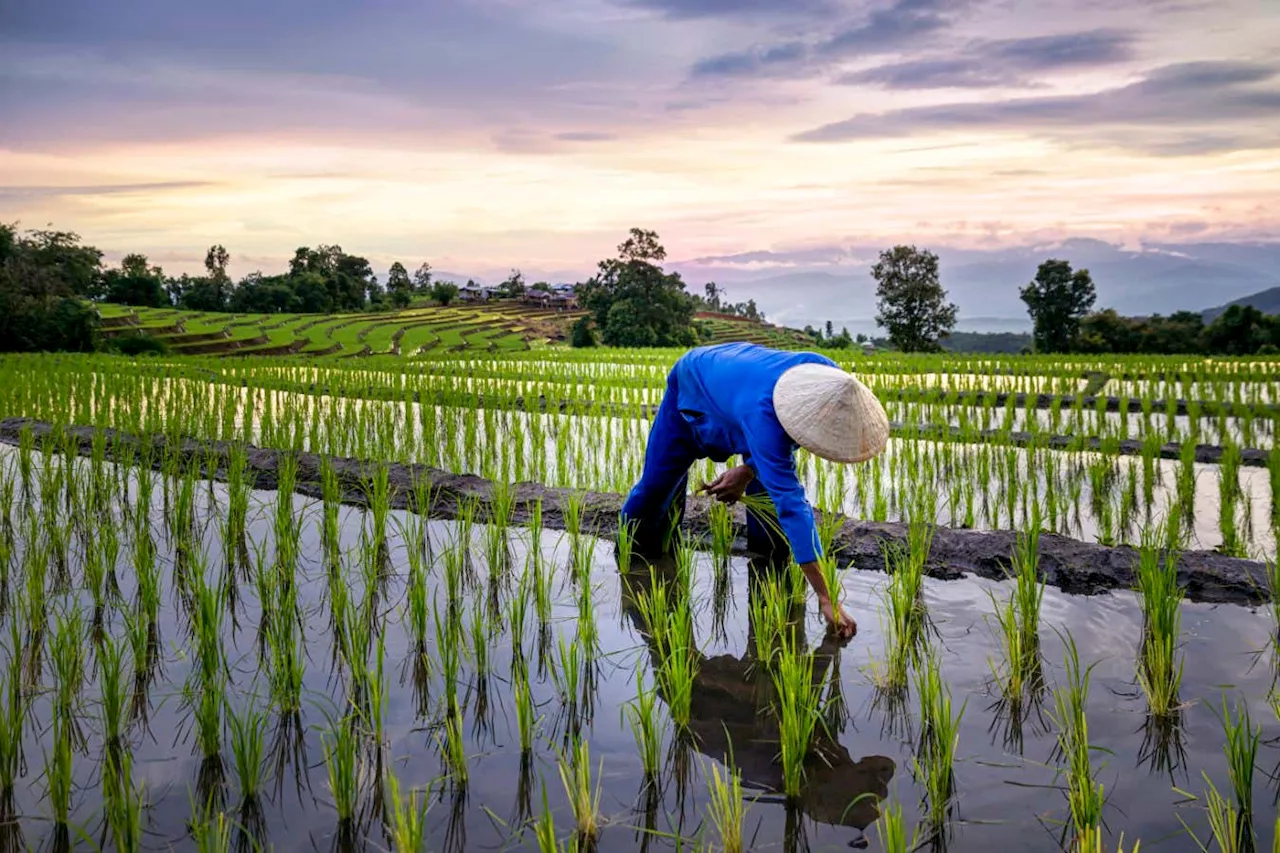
891	830
1229	496
448	640
122	801
544	828
211	829
906	620
726	806
1273	588
13	712
1018	621
679	670
113	690
67	652
479	634
342	766
575	773
58	771
721	524
526	719
798	711
1241	748
642	717
453	748
406	818
1159	664
1084	795
835	589
501	505
939	737
248	737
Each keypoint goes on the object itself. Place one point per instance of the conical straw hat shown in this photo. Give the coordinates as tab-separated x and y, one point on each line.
830	413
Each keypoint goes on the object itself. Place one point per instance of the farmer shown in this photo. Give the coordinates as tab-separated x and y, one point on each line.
760	404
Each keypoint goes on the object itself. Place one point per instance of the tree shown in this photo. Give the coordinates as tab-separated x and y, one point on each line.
444	292
540	287
712	298
41	293
582	335
215	263
514	285
399	285
912	304
136	282
1057	300
422	279
634	303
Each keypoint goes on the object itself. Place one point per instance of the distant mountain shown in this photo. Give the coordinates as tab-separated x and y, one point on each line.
810	286
1266	301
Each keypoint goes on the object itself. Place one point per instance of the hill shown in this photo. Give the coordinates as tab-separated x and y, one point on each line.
1267	301
414	331
419	330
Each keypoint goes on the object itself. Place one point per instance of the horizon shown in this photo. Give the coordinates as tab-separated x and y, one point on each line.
488	135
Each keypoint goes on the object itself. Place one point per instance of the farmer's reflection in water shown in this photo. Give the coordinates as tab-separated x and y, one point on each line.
733	712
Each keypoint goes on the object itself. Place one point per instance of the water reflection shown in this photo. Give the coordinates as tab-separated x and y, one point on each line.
732	716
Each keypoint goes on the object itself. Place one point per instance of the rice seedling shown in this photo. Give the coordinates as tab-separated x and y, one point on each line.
798	710
122	801
406	818
1084	795
113	690
452	747
891	830
544	828
67	652
905	619
342	767
1241	749
248	738
584	801
58	772
939	738
1159	665
526	719
641	715
448	641
726	806
13	713
211	829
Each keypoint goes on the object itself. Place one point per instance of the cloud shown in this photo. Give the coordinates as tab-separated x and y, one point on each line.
686	9
903	24
1002	62
34	192
1165	112
585	136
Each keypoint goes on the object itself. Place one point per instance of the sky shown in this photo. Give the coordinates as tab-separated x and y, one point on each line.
483	135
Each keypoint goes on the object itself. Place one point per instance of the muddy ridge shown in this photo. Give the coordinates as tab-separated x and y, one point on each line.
1067	564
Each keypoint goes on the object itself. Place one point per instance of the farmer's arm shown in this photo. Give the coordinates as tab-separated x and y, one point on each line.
771	458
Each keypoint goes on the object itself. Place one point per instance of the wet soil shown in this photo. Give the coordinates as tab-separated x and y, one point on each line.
1067	564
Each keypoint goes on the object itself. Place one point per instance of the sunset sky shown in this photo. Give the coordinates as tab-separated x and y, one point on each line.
486	134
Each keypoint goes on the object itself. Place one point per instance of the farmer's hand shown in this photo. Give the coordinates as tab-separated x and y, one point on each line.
730	485
845	627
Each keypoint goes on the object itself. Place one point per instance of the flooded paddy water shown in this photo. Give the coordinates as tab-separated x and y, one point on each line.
442	647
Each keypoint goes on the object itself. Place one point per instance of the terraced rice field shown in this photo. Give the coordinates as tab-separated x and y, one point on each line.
412	332
383	603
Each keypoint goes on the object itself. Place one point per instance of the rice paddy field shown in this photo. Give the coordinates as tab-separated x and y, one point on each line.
279	602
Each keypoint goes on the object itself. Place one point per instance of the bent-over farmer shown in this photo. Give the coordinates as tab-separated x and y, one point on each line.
759	404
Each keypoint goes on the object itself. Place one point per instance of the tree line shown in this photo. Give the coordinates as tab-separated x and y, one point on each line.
912	306
49	280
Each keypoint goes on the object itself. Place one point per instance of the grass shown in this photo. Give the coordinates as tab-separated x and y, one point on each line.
891	830
726	806
342	767
1084	794
584	800
642	716
939	738
406	817
248	738
798	709
1159	664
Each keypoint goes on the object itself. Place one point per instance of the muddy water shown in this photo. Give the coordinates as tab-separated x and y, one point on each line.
1007	798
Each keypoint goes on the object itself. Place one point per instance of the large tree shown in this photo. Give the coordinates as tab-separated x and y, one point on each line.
1057	300
41	292
399	286
634	303
422	279
136	282
912	305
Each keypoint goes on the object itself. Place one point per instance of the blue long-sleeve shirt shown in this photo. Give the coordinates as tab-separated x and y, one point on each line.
719	403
